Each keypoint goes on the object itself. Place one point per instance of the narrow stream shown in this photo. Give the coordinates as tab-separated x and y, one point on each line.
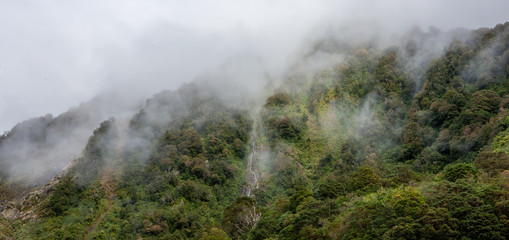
252	175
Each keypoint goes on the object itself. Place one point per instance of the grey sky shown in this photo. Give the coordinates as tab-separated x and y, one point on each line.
55	54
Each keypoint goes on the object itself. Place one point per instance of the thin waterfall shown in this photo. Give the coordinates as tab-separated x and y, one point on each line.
252	175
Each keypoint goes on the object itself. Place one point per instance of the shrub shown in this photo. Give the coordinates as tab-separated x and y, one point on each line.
215	234
329	187
240	217
492	162
365	179
459	170
278	99
193	191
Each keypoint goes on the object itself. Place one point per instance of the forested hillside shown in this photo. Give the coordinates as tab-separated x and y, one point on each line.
397	141
363	154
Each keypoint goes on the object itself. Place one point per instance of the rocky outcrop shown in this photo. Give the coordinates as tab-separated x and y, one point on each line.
26	207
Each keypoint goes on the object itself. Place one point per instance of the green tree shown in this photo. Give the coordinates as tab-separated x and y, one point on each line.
241	217
365	179
215	234
459	170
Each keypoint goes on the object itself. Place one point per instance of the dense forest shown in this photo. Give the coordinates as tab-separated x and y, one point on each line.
392	142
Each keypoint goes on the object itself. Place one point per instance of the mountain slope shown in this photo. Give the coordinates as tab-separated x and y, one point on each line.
391	142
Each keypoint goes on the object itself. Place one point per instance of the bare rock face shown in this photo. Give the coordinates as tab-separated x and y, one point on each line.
26	207
11	213
22	209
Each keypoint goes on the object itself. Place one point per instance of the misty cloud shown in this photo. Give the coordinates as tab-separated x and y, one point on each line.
57	54
37	149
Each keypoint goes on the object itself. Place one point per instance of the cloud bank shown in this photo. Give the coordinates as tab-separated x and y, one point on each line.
56	54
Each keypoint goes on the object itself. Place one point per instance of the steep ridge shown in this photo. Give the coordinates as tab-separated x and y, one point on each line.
35	150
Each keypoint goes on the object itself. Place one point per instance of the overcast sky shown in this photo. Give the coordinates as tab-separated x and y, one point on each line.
55	54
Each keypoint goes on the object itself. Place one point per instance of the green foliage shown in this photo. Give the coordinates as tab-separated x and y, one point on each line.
287	130
308	223
329	186
297	198
492	162
97	150
240	217
459	170
64	197
277	100
413	142
395	214
447	121
471	203
189	143
365	179
284	128
215	234
501	142
435	223
271	221
391	77
192	191
408	202
351	151
486	100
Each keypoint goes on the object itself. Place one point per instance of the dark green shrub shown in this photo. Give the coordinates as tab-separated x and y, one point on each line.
459	170
278	99
365	179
